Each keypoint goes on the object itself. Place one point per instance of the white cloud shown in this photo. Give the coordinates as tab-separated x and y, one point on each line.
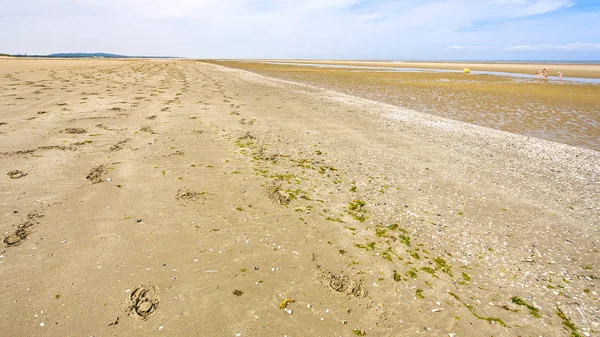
541	7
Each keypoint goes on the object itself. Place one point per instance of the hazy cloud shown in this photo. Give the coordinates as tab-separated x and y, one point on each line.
568	46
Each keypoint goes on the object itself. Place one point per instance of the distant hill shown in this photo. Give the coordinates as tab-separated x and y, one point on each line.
87	55
105	55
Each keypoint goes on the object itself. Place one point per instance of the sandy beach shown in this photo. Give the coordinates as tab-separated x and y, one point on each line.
184	198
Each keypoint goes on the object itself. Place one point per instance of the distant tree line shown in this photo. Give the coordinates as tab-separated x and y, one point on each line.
83	55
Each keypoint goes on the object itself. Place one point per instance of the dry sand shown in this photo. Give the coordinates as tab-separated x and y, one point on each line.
179	198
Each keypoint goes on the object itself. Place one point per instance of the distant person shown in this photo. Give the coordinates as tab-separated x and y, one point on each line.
538	75
560	75
545	73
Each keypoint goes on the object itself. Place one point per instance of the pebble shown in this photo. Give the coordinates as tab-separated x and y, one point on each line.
289	311
42	324
160	327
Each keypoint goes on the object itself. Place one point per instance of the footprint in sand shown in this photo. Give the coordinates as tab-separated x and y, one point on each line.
15	238
143	301
16	174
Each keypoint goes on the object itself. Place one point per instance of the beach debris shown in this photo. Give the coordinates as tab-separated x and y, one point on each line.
143	301
16	174
238	293
115	322
466	70
188	195
359	332
74	131
285	303
148	129
289	311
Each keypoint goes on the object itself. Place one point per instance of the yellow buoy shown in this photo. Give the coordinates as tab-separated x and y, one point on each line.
466	70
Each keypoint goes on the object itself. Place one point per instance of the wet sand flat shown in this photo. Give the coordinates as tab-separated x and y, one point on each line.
569	70
177	197
558	111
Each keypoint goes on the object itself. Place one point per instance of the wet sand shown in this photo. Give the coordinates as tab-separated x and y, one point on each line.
551	110
569	70
155	198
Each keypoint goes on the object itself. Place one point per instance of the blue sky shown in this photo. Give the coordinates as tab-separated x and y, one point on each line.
323	29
